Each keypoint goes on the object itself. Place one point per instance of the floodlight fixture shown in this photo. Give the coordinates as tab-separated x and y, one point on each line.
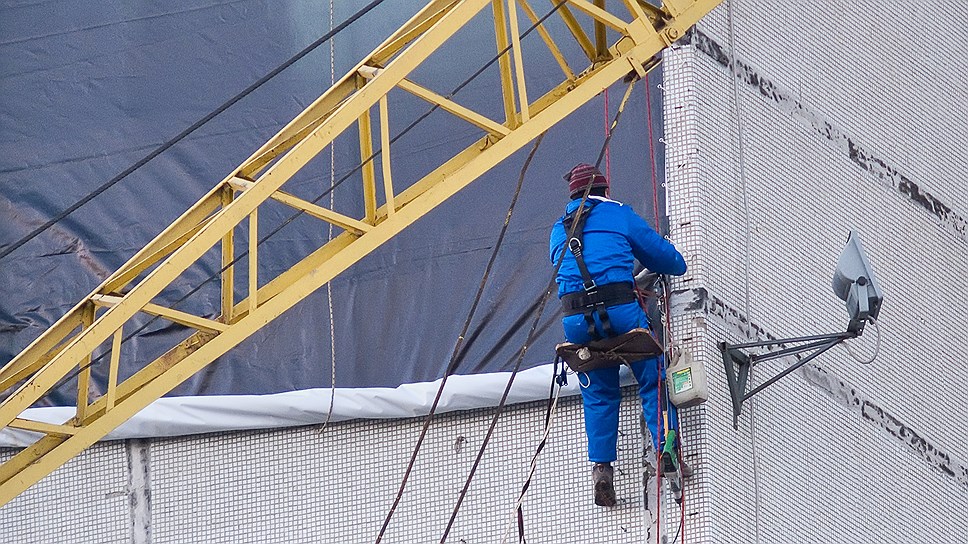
854	283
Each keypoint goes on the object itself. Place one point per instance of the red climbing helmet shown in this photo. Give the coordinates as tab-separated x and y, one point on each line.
583	175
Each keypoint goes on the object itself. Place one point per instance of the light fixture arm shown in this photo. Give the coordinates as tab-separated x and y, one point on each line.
738	363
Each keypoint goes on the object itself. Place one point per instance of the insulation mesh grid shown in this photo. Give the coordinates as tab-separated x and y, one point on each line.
864	65
821	467
86	500
683	204
297	486
805	192
294	485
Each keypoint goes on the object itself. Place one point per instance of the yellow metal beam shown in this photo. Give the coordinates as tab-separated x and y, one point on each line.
253	259
227	275
504	61
342	221
412	30
226	219
450	106
653	13
320	111
369	169
549	41
23	459
41	427
84	378
385	156
171	314
43	349
69	344
166	243
523	105
600	15
676	8
111	395
601	43
576	30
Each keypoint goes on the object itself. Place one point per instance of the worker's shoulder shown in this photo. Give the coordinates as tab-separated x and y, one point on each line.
610	206
605	202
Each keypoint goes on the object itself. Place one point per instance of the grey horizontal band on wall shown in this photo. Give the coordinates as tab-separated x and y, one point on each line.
863	158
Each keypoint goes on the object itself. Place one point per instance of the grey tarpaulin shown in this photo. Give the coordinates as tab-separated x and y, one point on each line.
88	88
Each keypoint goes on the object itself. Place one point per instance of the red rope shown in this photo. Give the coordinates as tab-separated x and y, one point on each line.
608	156
658	365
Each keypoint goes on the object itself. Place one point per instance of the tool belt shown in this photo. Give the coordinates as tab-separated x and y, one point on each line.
610	294
633	346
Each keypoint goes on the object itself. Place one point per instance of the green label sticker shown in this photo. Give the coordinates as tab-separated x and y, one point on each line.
682	380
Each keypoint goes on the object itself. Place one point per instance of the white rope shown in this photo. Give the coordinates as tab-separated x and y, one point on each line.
746	254
877	345
329	237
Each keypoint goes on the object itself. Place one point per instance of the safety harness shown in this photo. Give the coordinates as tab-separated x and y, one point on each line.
595	298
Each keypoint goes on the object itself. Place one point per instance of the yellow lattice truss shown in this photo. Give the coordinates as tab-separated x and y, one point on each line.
643	30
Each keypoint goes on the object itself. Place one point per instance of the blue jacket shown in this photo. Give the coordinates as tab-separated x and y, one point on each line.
614	236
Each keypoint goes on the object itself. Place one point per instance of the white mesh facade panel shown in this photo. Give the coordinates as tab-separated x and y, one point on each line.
825	124
86	500
299	485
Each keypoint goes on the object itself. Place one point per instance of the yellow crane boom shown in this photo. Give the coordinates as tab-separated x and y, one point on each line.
66	348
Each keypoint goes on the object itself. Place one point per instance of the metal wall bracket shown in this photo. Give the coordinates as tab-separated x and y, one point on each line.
738	364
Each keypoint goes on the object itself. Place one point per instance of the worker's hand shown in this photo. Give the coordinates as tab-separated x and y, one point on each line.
646	279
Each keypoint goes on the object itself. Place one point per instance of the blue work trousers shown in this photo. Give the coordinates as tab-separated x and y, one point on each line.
600	391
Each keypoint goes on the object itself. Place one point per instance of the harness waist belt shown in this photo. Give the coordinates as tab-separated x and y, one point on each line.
610	294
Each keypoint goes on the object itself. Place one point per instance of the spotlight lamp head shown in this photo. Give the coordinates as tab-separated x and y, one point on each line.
855	284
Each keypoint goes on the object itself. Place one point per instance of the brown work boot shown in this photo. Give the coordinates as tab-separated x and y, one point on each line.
602	475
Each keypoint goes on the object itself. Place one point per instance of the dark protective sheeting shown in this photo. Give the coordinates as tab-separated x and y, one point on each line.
87	89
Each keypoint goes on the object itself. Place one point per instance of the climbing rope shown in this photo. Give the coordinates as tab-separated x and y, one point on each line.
552	402
663	299
549	420
452	365
746	254
329	237
460	339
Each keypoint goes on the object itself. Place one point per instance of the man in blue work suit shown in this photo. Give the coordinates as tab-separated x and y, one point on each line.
612	237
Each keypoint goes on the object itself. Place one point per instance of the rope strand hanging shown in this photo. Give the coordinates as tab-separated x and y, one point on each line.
552	403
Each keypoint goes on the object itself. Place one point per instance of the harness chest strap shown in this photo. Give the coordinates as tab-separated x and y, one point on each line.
635	345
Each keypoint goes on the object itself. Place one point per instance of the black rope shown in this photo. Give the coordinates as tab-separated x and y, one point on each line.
454	358
524	348
679	530
551	286
456	353
507	389
452	366
198	124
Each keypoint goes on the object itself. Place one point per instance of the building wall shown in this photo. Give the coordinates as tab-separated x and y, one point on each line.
786	127
336	484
